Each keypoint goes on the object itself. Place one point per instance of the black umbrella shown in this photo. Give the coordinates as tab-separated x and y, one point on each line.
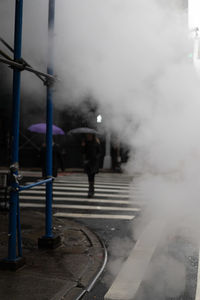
84	130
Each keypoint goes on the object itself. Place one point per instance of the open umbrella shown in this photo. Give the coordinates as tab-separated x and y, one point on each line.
83	130
41	128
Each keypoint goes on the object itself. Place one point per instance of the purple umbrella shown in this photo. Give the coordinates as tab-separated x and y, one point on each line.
41	128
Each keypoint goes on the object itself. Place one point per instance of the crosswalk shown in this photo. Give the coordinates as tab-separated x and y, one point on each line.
112	200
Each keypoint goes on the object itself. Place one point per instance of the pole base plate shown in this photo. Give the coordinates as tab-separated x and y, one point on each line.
49	242
12	265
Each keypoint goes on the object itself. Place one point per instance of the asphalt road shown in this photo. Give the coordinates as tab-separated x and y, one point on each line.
161	283
114	234
119	240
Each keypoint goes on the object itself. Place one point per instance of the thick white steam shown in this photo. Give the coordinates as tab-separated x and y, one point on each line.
132	57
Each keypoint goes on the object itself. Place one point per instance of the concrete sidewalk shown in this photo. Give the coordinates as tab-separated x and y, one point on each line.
62	273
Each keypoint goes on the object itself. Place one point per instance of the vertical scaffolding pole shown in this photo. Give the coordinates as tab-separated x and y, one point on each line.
49	240
49	120
14	220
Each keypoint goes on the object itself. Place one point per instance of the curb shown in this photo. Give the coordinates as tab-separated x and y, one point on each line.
92	283
85	285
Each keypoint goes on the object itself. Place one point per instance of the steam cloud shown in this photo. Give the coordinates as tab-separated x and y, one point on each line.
131	56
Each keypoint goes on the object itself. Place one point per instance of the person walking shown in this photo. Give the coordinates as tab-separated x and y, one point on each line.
116	156
91	151
57	160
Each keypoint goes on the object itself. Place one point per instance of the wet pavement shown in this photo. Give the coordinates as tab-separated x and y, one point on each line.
172	272
62	273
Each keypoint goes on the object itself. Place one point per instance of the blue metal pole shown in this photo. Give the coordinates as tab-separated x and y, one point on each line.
19	237
29	186
49	121
14	199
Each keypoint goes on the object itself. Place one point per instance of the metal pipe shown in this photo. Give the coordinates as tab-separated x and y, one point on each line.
6	44
14	198
21	67
49	121
29	186
5	55
19	237
24	61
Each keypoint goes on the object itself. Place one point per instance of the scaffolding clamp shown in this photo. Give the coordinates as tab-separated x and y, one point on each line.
15	177
49	81
20	64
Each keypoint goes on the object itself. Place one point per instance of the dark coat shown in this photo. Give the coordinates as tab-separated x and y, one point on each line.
91	151
57	160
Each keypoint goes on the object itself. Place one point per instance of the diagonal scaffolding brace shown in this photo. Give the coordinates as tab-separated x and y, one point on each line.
21	66
22	60
2	53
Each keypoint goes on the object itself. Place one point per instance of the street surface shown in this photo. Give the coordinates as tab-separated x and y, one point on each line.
111	200
112	214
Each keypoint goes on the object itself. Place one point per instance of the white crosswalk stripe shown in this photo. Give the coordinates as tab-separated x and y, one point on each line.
84	193
94	216
77	188
112	200
86	207
70	199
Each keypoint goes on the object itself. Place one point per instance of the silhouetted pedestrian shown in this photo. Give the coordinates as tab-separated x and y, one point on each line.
57	160
91	151
116	157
